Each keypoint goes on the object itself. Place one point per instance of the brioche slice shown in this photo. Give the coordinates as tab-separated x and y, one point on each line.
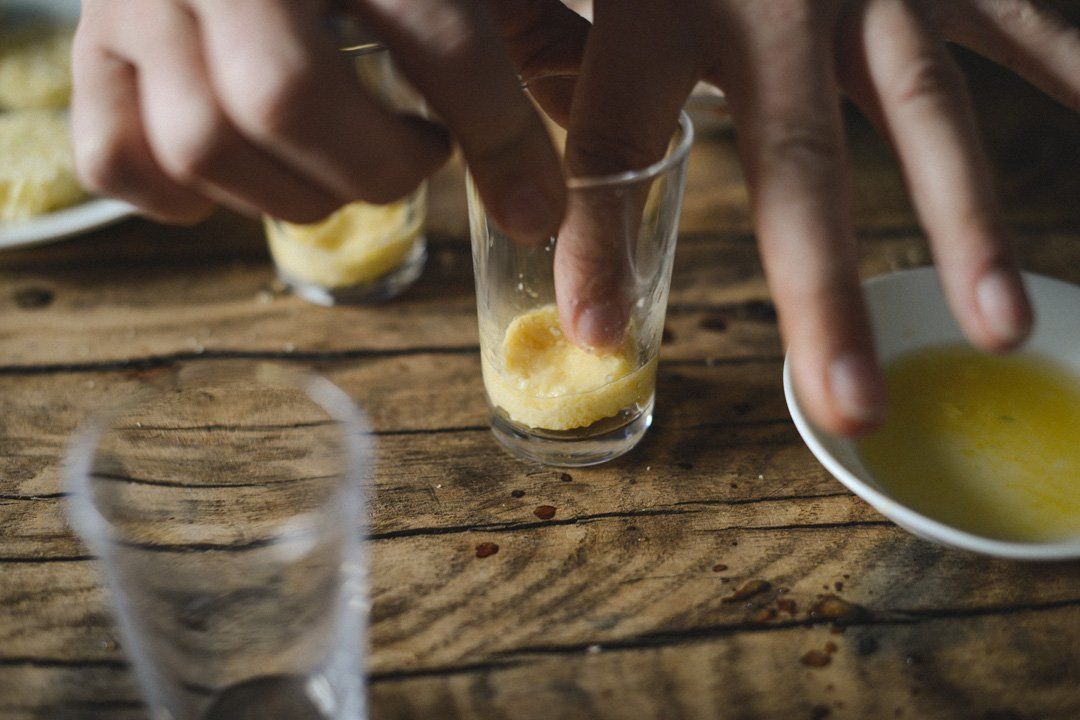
35	67
37	166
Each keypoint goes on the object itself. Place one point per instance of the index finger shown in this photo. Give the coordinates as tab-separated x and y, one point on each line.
450	51
625	109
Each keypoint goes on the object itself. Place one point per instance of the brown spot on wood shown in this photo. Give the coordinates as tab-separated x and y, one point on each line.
719	567
544	512
486	549
830	607
815	658
667	337
517	493
820	712
714	322
34	298
839	586
787	605
838	630
747	590
831	647
765	615
566	477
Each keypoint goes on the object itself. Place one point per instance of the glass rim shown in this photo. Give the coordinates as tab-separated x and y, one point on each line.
96	529
627	177
363	48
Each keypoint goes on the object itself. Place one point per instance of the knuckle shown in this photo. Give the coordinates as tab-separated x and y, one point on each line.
927	79
800	144
1015	13
276	106
449	31
101	165
194	150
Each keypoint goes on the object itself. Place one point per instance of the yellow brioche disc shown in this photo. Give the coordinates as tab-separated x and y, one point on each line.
37	166
542	380
357	244
35	68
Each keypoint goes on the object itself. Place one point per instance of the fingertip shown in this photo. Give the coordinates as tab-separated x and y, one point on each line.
857	395
1004	310
599	325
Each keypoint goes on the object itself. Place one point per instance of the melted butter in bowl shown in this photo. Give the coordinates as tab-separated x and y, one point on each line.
987	444
979	452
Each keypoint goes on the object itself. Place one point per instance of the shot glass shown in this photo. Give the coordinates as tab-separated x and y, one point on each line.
226	508
550	400
363	252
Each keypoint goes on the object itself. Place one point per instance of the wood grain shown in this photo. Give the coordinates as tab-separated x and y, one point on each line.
620	605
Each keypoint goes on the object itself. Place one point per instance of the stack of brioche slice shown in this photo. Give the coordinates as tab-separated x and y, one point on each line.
35	67
37	169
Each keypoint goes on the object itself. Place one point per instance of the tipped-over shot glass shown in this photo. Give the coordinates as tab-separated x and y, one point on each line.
363	252
551	400
225	505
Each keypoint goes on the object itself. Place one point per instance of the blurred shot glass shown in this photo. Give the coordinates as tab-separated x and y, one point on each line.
363	252
550	400
226	508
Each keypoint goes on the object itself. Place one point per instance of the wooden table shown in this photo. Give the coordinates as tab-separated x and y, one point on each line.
619	606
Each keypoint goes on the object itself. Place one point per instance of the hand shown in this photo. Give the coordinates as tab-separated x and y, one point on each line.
781	64
183	104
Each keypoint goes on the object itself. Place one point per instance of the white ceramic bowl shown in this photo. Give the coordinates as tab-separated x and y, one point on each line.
908	312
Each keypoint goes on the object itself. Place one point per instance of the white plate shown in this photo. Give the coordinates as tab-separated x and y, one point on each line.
63	223
71	220
908	312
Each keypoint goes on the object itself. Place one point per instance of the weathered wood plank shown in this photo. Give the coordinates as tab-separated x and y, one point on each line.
114	314
921	668
625	567
720	425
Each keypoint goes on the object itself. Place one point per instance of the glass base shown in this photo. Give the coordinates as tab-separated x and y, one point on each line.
264	698
388	286
574	448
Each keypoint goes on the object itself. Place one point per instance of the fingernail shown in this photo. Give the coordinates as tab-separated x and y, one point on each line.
598	326
1000	298
528	213
857	388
